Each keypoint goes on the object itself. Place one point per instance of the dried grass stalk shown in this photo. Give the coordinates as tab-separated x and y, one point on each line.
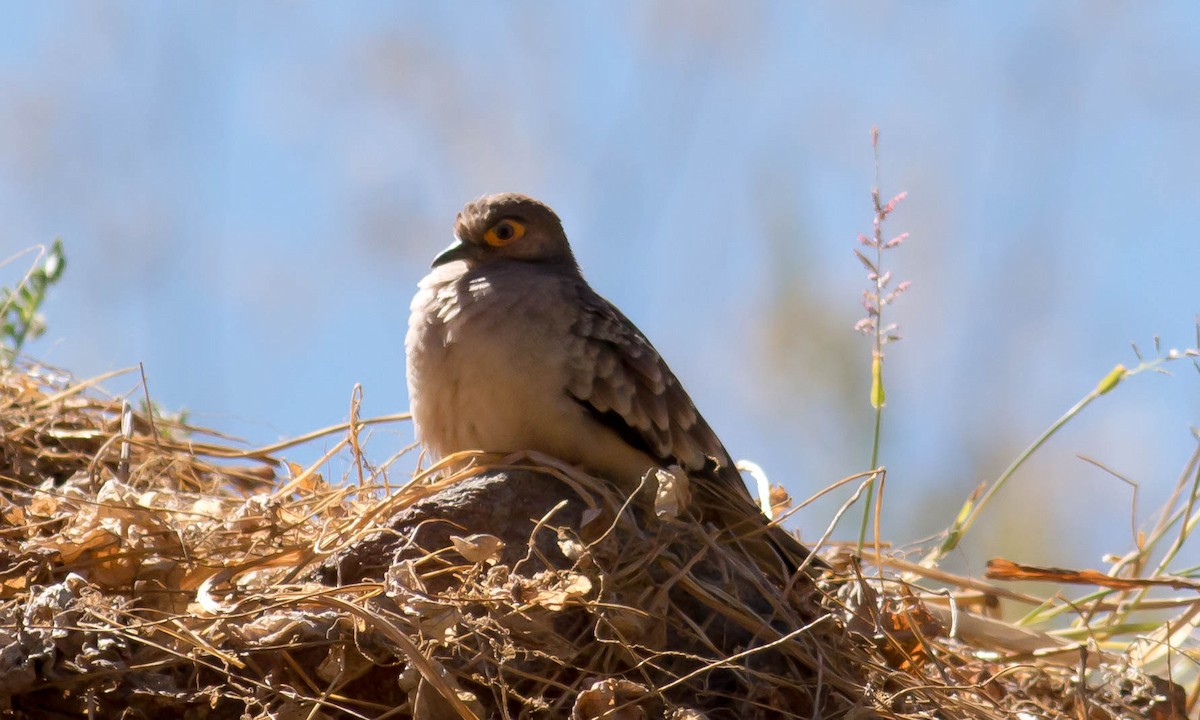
157	570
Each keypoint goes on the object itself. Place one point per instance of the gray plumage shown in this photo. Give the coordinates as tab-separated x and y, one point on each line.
510	349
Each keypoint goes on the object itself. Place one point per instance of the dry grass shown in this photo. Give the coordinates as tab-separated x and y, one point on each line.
151	569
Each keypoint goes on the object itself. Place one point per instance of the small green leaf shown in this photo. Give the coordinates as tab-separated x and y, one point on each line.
878	396
1112	379
56	261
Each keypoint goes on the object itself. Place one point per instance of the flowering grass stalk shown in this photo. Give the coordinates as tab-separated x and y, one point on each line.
874	300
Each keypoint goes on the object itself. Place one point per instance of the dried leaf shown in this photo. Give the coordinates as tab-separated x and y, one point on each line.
570	546
603	697
672	494
478	548
562	588
1001	569
781	502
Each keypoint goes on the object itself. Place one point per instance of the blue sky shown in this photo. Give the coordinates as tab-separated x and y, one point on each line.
249	192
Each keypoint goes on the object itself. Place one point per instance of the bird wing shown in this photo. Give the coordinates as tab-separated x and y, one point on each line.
618	376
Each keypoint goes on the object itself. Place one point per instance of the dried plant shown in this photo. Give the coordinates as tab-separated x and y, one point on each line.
159	578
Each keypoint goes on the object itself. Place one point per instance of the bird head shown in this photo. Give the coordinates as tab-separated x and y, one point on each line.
508	226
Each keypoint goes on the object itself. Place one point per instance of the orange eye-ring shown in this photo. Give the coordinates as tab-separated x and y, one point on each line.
504	232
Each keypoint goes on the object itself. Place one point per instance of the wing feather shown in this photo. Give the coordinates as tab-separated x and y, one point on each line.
622	380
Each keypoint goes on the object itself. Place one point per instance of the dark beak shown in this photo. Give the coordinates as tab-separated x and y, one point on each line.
458	250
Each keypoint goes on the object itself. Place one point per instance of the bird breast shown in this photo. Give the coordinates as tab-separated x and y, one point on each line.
480	360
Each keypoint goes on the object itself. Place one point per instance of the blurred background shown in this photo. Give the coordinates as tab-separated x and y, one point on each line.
249	192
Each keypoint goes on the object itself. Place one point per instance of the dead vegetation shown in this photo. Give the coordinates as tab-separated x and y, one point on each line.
149	569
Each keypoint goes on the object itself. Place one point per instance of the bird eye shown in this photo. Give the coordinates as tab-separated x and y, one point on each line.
504	232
